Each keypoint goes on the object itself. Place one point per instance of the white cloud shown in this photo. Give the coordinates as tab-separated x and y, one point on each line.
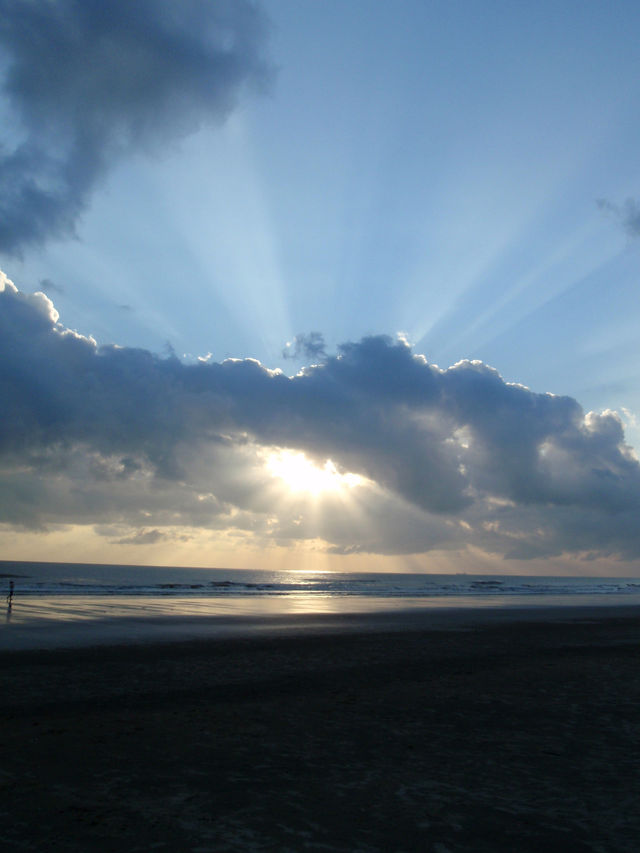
448	458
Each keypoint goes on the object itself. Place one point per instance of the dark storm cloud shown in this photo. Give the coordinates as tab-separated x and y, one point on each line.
627	213
87	82
454	457
310	346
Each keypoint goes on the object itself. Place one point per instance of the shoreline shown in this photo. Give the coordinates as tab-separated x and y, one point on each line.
512	735
18	634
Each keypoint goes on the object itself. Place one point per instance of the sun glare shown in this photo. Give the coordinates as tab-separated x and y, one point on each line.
302	475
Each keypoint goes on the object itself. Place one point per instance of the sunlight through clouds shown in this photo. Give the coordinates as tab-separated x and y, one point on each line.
233	245
300	474
324	175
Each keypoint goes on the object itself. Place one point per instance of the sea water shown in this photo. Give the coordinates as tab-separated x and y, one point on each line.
89	579
70	604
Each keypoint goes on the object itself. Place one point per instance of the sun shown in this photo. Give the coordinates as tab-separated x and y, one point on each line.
300	474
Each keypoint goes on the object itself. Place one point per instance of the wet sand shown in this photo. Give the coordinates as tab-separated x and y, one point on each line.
513	734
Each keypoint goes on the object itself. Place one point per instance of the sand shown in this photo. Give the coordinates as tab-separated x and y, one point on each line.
515	735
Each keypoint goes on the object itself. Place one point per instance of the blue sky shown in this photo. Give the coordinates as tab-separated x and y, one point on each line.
459	174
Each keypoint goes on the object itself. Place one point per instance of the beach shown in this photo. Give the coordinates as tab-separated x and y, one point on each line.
507	734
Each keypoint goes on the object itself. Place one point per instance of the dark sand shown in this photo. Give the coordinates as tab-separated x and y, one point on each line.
518	736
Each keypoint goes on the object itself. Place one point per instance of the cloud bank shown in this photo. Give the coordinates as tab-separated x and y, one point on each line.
86	82
448	458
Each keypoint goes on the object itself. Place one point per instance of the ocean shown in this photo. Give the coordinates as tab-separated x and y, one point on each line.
88	579
70	604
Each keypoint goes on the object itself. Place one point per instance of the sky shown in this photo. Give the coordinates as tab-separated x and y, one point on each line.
321	285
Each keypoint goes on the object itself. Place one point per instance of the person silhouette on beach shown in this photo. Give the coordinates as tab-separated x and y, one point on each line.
10	595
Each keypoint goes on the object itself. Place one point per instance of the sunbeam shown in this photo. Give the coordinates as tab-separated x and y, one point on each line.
300	474
235	242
